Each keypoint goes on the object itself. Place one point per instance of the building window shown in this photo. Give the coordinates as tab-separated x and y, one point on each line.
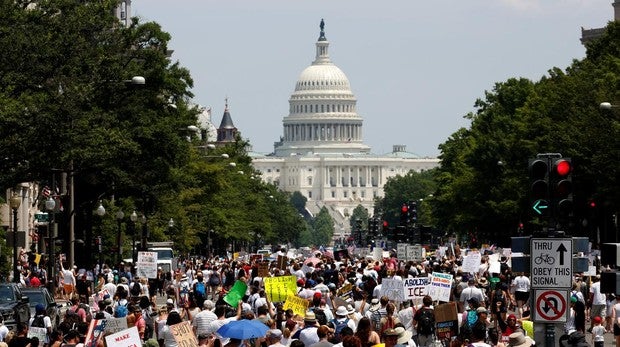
346	194
268	170
277	170
310	169
310	180
333	194
309	195
363	194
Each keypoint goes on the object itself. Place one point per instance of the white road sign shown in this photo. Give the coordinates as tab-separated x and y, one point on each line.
551	263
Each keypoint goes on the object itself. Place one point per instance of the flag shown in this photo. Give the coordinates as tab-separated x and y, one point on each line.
46	192
37	258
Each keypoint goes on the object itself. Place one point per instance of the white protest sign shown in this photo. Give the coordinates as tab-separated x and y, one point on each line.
471	262
415	288
377	253
440	287
39	333
126	338
415	252
401	251
393	289
147	264
114	325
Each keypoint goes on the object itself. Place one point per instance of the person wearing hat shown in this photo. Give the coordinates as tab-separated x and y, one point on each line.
41	320
518	339
508	327
342	320
308	334
404	336
598	332
390	337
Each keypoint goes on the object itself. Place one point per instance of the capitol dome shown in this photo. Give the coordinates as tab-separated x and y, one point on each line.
322	110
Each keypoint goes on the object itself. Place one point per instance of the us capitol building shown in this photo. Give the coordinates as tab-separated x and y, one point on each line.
322	154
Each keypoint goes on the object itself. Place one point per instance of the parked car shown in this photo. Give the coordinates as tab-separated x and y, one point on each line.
13	305
41	295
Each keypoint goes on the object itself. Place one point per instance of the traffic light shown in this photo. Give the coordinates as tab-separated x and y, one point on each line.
404	214
539	185
386	228
562	186
413	212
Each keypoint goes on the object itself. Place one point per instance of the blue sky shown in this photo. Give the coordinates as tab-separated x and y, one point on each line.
416	67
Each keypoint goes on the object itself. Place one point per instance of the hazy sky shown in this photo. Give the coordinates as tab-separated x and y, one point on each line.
416	67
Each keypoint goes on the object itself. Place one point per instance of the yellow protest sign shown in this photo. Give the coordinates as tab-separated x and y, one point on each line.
297	304
278	288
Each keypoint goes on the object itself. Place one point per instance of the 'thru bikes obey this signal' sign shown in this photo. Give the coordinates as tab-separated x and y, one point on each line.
551	262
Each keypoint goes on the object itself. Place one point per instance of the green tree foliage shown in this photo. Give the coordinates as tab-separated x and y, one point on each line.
483	181
299	202
323	226
400	189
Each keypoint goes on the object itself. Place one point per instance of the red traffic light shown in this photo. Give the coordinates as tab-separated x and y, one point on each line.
404	209
562	167
592	204
385	224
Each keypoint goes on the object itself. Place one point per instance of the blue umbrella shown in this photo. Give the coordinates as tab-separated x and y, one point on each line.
243	329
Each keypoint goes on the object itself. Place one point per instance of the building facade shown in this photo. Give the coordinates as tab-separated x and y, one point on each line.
321	152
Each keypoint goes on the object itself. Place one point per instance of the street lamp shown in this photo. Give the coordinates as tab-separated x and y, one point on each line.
145	233
607	106
50	206
100	211
14	202
133	218
119	219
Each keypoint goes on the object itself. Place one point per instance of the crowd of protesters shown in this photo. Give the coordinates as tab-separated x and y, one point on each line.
493	308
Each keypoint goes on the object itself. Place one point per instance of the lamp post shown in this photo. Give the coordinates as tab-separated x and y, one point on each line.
119	219
145	233
15	202
50	206
100	211
133	218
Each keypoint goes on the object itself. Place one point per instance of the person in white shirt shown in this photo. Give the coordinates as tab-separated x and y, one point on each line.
521	286
202	321
3	329
471	292
598	300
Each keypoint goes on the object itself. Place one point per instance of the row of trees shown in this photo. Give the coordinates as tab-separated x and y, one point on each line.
68	113
482	185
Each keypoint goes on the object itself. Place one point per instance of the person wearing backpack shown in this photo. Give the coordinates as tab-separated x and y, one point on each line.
41	320
135	288
499	301
424	322
339	323
199	289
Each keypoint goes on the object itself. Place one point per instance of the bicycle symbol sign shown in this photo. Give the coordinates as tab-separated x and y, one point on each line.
551	263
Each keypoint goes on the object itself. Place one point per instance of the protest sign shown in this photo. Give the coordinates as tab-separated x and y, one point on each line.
126	338
263	269
114	325
345	291
236	293
401	250
471	262
377	253
147	264
415	252
297	304
440	286
183	334
282	262
96	328
415	288
393	289
447	321
278	288
39	333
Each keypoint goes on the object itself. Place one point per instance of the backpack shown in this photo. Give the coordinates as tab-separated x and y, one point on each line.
86	308
426	322
38	321
375	318
320	316
338	326
499	297
214	280
136	289
199	289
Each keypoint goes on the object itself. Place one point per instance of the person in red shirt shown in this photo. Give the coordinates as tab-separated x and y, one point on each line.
140	323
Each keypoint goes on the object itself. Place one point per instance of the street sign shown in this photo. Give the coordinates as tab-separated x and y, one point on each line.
550	305
540	206
551	262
